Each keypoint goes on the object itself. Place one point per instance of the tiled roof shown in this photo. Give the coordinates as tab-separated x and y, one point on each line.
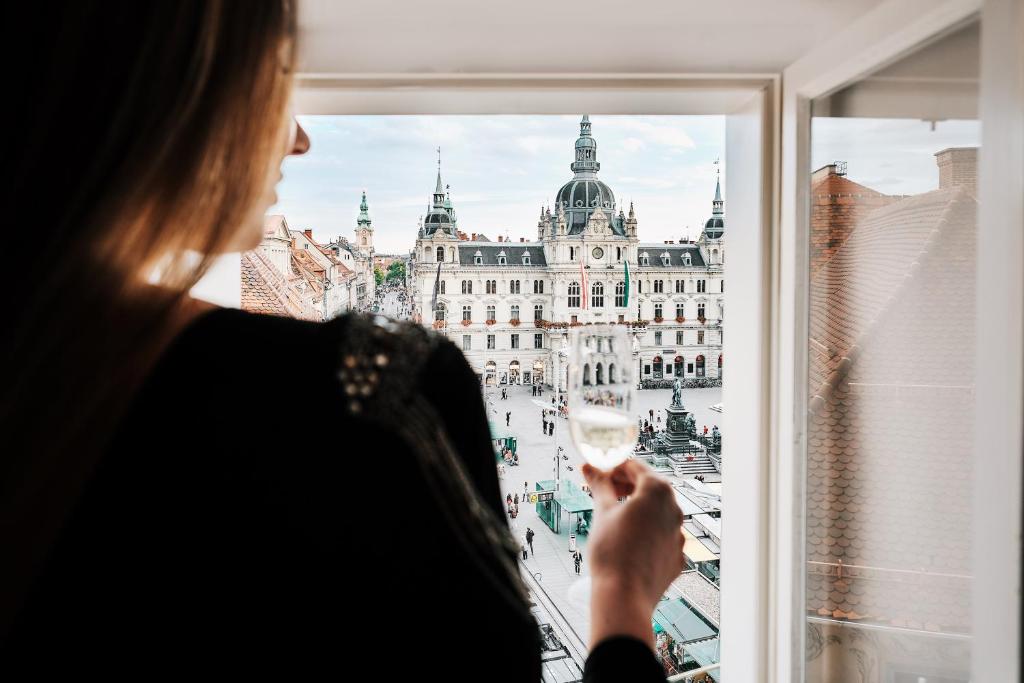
837	205
513	253
889	427
265	290
675	253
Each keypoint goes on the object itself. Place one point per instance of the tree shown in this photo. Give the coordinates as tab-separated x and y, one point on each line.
378	275
396	271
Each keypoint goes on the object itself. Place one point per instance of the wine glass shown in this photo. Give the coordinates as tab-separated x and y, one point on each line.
602	394
602	386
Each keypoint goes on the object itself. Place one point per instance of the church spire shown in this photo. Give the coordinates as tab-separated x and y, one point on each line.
717	205
439	189
364	215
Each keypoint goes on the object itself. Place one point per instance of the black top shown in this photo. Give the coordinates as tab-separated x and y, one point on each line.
245	517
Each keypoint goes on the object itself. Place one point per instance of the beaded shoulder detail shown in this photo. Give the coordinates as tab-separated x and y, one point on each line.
377	359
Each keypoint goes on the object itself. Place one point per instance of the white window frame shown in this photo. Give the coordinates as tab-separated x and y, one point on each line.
767	133
891	30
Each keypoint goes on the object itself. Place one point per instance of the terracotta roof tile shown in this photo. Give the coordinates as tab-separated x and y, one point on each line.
889	432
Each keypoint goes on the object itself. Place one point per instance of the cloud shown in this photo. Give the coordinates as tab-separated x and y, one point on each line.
633	144
657	134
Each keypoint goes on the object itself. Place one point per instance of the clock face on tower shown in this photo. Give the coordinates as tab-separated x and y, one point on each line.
598	252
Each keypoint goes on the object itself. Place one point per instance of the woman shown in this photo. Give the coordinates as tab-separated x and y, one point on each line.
161	498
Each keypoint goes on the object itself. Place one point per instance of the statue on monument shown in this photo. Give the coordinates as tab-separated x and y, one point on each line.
677	393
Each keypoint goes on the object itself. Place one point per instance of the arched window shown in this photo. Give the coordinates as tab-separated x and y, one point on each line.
618	257
659	286
442	287
680	366
440	254
514	312
620	295
515	287
599	374
538	312
645	260
659	368
586	373
501	258
700	311
451	254
526	258
714	256
611	373
700	366
574	295
467	286
597	295
687	260
680	286
490	313
478	258
440	313
538	286
572	253
467	313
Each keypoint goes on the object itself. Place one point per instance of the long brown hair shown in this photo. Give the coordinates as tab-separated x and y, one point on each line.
143	131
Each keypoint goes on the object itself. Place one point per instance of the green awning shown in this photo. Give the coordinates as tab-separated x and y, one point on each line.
572	498
682	623
498	432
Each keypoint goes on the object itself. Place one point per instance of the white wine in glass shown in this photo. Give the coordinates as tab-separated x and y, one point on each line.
602	394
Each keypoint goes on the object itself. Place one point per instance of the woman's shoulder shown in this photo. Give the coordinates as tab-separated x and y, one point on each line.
361	351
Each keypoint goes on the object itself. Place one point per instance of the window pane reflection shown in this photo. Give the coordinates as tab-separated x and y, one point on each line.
890	371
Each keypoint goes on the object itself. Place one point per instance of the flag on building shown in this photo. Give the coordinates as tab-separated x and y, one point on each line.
437	288
583	282
625	265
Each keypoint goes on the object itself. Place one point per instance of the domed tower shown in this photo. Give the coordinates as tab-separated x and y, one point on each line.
440	217
584	193
712	238
364	228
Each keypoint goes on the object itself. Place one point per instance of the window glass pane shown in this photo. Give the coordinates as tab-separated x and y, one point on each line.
890	379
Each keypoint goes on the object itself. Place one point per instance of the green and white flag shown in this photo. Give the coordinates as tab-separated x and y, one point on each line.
626	265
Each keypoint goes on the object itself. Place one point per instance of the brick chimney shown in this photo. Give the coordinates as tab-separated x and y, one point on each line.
499	238
958	167
474	237
308	233
522	239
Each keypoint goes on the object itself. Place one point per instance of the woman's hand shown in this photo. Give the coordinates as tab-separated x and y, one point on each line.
636	549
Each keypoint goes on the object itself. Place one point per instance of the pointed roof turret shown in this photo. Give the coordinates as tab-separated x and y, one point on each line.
364	214
715	227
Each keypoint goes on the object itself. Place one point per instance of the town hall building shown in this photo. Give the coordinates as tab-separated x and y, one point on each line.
509	305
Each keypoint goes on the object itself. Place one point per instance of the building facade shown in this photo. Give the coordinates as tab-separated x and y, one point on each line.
359	258
509	305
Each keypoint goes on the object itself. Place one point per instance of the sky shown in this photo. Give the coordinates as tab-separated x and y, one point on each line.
500	170
892	156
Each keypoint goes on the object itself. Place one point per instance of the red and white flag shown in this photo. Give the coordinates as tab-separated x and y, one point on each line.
583	282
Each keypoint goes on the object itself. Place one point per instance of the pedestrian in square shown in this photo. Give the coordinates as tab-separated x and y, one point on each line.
529	539
508	416
544	429
577	559
524	488
515	499
523	546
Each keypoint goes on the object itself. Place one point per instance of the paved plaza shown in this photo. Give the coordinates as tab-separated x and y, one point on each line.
550	569
551	563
